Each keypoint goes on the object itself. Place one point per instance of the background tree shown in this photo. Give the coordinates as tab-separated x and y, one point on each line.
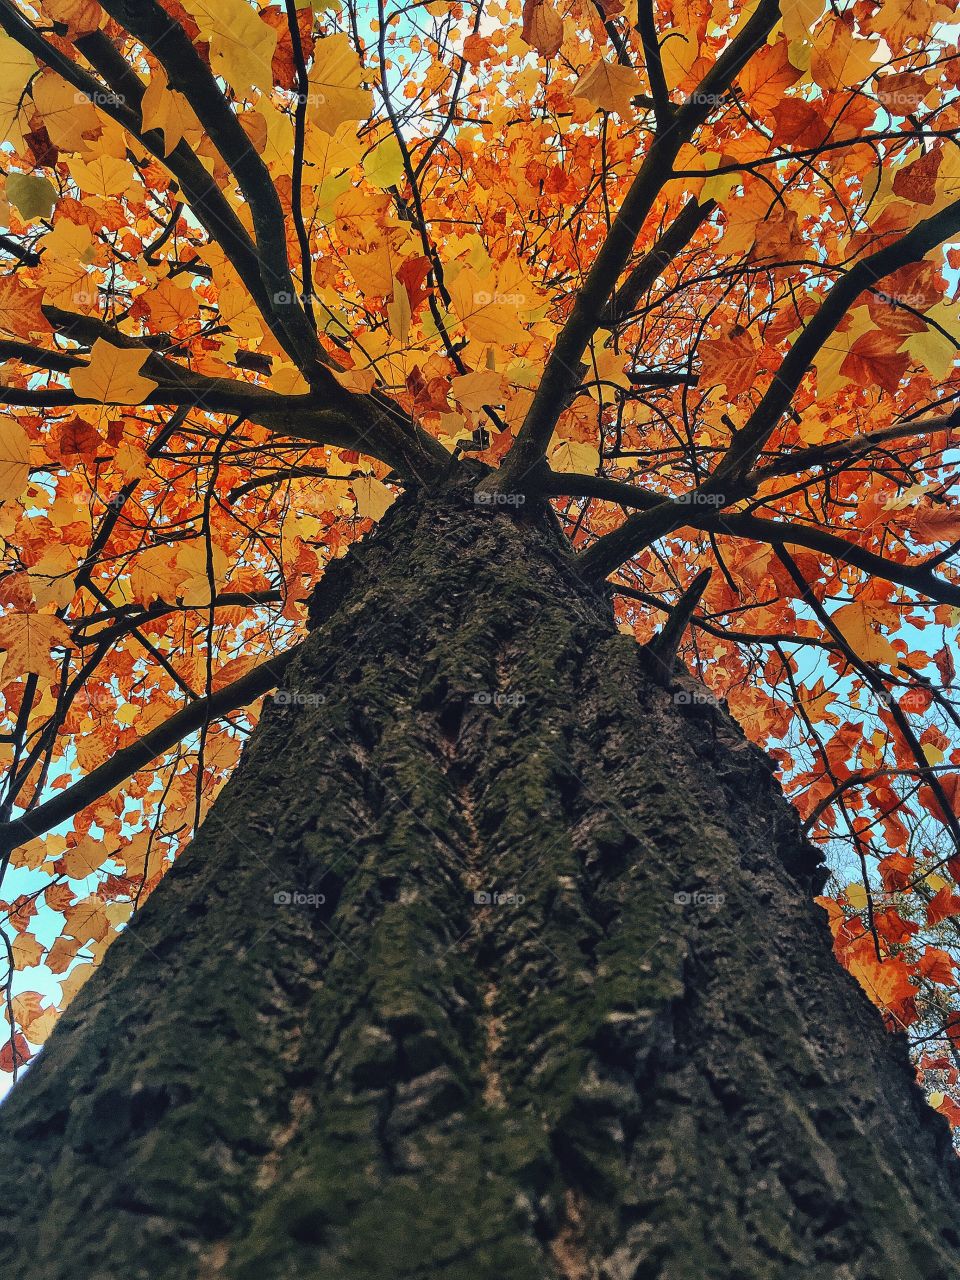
611	299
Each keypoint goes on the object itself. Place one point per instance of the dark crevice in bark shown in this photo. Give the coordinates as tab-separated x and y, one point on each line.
583	1078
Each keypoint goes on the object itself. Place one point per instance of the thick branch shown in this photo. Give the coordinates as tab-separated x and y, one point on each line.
653	263
774	532
126	762
918	242
561	373
188	74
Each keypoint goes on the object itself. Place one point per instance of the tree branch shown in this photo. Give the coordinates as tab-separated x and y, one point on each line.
561	374
188	74
918	242
127	761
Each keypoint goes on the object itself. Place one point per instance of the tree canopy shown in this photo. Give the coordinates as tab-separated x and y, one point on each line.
686	270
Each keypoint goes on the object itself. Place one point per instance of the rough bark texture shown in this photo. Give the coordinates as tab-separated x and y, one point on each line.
599	1082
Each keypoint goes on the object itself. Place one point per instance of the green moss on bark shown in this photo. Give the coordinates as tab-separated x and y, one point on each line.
576	1077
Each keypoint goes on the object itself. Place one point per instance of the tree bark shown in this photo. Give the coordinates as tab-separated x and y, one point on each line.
552	1000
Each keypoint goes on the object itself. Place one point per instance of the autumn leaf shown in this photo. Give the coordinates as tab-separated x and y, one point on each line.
113	376
860	623
732	361
336	93
608	86
20	312
28	638
542	27
373	498
14	458
932	524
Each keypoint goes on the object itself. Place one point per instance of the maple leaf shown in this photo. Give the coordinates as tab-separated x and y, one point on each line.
732	361
860	623
542	27
931	523
163	108
20	312
608	86
113	376
28	639
887	983
14	458
241	43
942	905
373	498
335	79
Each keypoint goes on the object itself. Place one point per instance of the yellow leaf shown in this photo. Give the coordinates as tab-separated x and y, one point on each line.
485	313
164	109
69	242
373	498
474	390
83	859
800	17
170	305
113	375
72	983
14	458
383	167
27	951
103	176
241	43
335	92
193	585
86	920
859	623
154	576
609	86
28	639
856	895
67	114
41	1026
398	314
16	68
52	576
572	455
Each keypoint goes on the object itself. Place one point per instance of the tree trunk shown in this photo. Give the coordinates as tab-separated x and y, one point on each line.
550	1000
